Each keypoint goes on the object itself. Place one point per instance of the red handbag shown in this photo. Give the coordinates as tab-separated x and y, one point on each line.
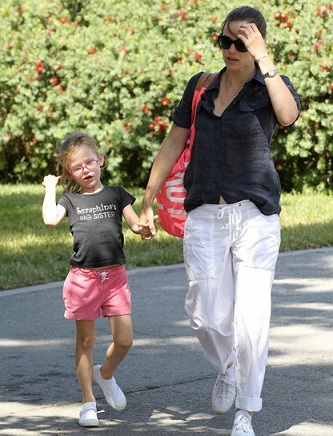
170	198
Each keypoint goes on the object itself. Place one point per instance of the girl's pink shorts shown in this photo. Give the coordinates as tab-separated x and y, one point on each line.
89	294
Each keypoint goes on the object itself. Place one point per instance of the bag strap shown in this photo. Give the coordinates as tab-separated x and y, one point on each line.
204	81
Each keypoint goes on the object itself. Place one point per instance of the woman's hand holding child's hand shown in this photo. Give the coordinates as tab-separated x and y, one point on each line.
145	230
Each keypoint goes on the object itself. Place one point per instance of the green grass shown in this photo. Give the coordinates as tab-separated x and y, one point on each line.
31	253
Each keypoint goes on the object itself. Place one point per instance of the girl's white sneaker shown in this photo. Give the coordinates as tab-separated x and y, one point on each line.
88	415
112	392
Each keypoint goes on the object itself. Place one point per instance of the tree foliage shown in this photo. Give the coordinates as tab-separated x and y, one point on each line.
116	69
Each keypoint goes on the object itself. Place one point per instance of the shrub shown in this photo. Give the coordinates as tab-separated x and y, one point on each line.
304	48
116	69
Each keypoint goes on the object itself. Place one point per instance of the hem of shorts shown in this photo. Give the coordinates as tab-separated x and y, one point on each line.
84	318
116	314
81	318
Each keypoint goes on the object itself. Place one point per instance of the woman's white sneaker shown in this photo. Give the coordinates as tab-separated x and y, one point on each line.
242	424
112	392
88	415
224	391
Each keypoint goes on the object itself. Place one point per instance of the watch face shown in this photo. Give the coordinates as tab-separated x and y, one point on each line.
270	73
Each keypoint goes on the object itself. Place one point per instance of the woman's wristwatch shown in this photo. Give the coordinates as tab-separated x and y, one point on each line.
270	74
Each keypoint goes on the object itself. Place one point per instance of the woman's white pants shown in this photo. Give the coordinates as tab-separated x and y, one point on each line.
230	253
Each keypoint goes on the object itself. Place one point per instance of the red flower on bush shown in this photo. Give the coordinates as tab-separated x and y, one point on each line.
63	20
318	45
145	108
158	124
281	16
324	10
182	14
39	67
92	51
165	101
54	81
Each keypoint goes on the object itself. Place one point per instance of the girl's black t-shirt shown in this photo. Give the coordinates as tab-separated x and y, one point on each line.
95	221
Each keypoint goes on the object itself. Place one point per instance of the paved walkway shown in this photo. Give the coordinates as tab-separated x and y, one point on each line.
165	377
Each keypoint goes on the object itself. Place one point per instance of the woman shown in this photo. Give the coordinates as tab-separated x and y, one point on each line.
232	231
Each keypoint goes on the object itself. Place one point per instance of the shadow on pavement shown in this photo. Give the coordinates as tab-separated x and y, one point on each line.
165	377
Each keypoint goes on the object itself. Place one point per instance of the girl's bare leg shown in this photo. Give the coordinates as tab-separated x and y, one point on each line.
122	333
85	339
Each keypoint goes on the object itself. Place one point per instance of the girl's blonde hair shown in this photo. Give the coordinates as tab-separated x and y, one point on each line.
70	145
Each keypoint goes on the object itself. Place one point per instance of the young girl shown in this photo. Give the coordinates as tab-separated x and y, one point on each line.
97	282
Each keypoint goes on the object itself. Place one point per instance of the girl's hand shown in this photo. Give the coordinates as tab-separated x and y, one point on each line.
50	181
147	216
145	230
53	214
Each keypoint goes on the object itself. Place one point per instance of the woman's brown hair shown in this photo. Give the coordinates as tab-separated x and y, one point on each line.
249	14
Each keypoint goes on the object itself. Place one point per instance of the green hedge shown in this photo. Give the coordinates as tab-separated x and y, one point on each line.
116	69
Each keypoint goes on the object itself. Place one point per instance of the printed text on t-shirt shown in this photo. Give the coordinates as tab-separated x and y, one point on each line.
97	212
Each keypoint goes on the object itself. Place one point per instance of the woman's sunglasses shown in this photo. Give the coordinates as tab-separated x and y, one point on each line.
225	42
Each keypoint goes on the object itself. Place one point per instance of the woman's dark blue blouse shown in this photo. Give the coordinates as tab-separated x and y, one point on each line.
231	153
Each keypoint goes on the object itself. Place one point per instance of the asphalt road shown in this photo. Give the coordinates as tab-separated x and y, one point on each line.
165	377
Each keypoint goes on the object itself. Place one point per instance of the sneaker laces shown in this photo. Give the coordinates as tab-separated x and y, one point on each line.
222	386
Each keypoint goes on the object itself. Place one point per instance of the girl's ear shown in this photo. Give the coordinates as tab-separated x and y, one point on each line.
101	159
67	175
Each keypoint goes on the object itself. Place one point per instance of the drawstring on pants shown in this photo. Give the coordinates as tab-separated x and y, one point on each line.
104	275
234	219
